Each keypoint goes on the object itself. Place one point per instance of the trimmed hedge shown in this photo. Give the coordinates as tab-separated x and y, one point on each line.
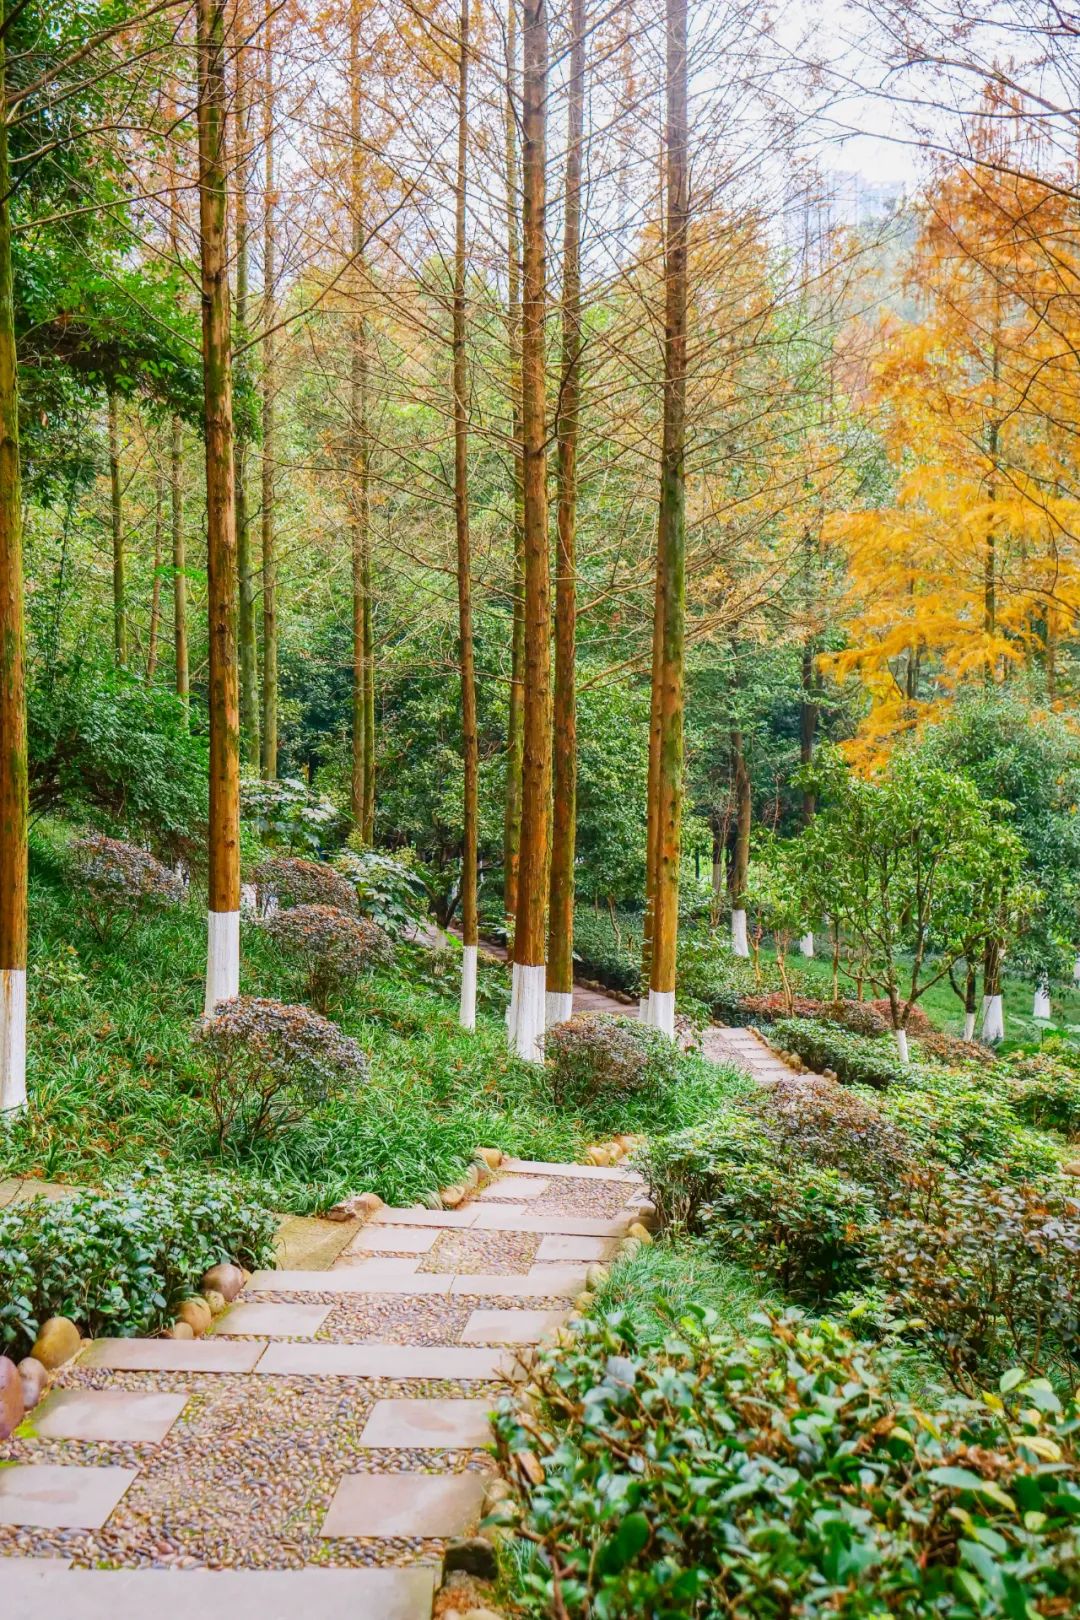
868	1060
117	1263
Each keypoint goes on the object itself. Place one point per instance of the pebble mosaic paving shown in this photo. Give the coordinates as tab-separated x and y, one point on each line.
314	1454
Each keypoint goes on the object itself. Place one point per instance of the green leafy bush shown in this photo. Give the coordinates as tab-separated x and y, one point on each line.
334	947
991	1272
957	1116
270	1066
389	891
780	1477
286	880
866	1060
290	816
1045	1089
117	1263
603	1059
120	881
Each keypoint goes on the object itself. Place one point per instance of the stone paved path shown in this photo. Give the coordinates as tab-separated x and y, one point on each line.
748	1050
314	1454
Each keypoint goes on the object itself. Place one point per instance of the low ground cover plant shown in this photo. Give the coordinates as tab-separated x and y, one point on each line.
270	1066
783	1475
288	880
334	948
117	883
1045	1086
117	1263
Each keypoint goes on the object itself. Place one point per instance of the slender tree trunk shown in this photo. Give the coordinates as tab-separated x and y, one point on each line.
269	739
155	592
469	934
179	558
740	864
249	672
560	963
515	719
13	765
116	513
362	790
652	801
668	672
223	952
527	1003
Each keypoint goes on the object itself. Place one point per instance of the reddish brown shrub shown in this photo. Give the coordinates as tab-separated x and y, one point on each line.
293	882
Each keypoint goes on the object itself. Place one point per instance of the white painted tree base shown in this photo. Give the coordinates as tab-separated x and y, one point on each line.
527	1017
969	1026
12	1038
643	1009
901	1044
1041	1007
222	959
662	1011
558	1007
806	945
511	1011
738	934
467	1009
993	1024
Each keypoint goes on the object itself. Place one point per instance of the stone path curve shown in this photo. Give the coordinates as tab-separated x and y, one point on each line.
317	1452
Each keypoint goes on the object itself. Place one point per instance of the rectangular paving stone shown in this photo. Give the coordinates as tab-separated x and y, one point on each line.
347	1280
382	1361
573	1172
498	1218
174	1355
561	1247
511	1327
515	1187
52	1497
33	1590
381	1265
458	1425
405	1505
394	1239
272	1321
543	1282
389	1216
118	1415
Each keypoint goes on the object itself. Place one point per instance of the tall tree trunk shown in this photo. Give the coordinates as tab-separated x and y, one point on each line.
116	515
668	671
740	864
560	962
13	780
155	591
269	740
362	794
179	561
223	951
515	719
249	672
527	996
466	663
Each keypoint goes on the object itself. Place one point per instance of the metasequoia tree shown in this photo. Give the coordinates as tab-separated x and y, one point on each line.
116	524
470	812
560	962
362	788
515	717
669	640
527	1005
249	673
269	738
13	784
223	946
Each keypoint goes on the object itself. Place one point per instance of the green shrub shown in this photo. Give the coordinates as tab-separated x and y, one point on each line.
782	1477
115	881
1045	1090
389	891
956	1116
855	1059
271	1066
991	1272
336	949
117	1263
606	1059
286	880
288	815
608	950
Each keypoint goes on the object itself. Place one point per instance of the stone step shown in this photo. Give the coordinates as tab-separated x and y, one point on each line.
544	1282
36	1588
397	1361
499	1218
176	1355
571	1172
